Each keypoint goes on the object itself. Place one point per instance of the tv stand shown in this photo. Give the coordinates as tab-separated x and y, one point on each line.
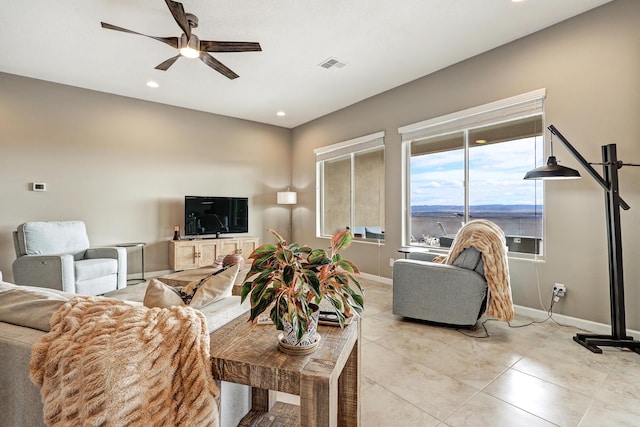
203	252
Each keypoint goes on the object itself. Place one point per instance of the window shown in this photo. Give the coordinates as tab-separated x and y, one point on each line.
350	187
470	165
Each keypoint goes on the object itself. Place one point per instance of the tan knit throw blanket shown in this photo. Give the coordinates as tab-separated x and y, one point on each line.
489	240
108	363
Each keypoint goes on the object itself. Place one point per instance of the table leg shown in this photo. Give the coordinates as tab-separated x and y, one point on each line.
262	399
349	390
318	399
142	257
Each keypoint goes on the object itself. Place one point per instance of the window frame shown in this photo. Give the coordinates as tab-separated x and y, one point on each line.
522	106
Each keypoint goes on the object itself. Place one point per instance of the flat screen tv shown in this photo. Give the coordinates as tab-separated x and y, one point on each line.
215	215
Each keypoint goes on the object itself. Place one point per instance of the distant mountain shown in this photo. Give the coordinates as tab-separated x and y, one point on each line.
480	210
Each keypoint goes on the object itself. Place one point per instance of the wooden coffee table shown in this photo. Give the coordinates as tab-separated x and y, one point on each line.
327	380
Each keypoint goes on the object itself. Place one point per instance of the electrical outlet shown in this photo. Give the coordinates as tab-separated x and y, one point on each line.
391	261
559	290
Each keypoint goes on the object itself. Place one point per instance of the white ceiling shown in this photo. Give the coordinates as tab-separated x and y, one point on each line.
384	43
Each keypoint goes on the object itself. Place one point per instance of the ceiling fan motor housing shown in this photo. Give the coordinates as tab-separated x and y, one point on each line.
192	20
193	42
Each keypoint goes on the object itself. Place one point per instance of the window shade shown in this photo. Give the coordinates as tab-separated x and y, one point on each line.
525	105
355	145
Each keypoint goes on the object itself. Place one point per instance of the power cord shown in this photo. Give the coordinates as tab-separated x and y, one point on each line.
554	298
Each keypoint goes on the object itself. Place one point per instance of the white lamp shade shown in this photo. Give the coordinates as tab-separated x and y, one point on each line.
287	197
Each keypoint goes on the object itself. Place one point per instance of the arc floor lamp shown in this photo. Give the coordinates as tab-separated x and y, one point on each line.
613	203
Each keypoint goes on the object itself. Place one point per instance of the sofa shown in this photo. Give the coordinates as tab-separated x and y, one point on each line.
22	324
57	255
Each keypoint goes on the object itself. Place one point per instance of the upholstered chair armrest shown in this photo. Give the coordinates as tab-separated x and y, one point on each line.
106	252
420	287
117	253
422	256
47	271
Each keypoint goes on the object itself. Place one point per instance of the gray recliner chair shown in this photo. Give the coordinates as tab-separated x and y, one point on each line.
452	295
57	255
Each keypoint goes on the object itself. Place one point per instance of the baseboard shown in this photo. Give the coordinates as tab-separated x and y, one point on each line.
385	280
587	325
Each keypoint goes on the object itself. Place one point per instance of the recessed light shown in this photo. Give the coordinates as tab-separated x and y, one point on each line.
281	114
153	84
481	141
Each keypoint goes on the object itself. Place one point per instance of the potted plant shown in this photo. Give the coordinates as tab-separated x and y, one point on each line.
292	280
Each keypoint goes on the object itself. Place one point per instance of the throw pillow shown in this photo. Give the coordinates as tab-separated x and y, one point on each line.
196	294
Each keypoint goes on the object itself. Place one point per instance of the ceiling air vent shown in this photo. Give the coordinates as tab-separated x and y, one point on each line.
332	63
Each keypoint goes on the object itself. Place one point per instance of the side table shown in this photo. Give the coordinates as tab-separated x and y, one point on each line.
327	380
405	250
135	245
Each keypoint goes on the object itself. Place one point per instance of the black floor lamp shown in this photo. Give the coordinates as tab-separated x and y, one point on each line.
613	203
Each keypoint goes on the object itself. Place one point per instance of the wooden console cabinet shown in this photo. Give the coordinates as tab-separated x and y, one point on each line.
188	254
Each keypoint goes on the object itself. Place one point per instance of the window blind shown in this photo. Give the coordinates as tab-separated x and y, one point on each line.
363	143
517	107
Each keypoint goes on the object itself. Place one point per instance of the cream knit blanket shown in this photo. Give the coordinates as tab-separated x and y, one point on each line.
489	240
108	363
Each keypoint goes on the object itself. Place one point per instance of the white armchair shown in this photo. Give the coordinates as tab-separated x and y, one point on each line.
57	255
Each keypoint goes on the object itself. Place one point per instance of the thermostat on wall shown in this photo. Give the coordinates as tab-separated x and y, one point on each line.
38	186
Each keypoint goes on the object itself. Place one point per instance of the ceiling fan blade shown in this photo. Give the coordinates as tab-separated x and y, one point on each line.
171	41
213	46
168	63
177	10
217	65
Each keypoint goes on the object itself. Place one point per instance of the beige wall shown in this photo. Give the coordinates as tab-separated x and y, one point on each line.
124	165
590	66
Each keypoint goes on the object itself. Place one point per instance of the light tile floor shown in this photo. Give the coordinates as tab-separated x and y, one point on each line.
414	374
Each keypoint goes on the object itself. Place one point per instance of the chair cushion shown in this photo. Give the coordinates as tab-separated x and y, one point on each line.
53	237
471	259
87	269
359	230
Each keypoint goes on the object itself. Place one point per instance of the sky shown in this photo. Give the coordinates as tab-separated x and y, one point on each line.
496	174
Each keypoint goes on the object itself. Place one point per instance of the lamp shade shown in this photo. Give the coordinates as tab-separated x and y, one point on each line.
287	197
552	170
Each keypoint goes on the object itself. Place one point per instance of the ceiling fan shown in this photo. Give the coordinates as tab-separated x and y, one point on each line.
190	46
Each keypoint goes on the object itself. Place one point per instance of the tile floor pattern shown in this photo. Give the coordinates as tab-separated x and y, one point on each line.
414	374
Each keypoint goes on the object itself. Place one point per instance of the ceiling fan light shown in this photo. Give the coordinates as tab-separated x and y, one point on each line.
189	48
189	52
